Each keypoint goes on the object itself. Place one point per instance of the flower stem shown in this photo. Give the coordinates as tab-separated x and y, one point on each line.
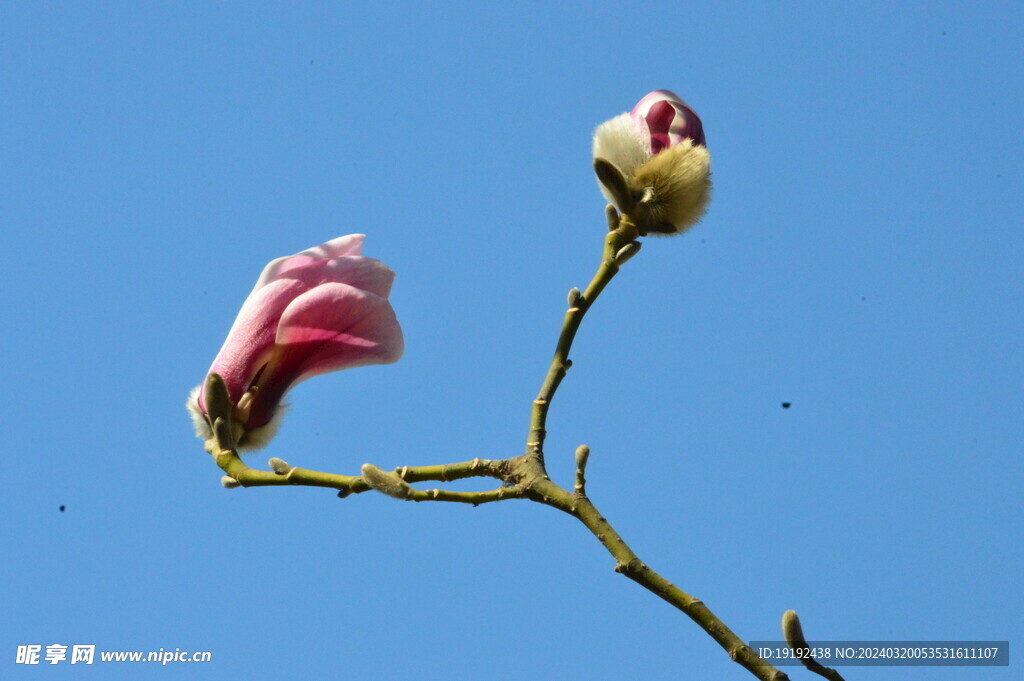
623	234
540	488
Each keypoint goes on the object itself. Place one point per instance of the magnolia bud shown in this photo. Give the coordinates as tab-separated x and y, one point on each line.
386	483
659	151
279	466
612	216
627	252
582	455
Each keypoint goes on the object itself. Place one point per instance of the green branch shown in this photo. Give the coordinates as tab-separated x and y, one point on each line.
622	234
629	564
225	453
241	475
620	245
523	476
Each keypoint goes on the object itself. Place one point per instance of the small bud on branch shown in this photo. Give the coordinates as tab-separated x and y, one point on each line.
794	635
627	252
279	466
386	483
612	216
582	456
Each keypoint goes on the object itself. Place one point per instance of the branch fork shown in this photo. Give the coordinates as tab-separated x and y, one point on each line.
524	476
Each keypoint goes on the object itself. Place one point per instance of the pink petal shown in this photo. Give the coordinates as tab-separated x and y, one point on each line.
664	118
331	327
311	258
339	327
659	121
351	244
252	336
363	273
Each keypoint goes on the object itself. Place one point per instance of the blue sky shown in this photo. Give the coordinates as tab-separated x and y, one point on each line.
861	259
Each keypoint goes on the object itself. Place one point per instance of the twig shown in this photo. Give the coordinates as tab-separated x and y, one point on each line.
524	476
624	233
540	488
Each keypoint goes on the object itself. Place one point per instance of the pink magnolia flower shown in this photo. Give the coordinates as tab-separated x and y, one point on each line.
314	312
665	119
660	151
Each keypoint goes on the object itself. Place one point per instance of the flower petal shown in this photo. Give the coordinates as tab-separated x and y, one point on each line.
311	258
331	327
362	273
338	327
351	244
663	116
252	336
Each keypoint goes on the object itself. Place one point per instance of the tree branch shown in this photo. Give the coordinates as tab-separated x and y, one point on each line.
630	565
240	474
619	247
623	234
523	476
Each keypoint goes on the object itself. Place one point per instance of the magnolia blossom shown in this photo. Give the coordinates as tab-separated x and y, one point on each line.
314	312
660	150
666	120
